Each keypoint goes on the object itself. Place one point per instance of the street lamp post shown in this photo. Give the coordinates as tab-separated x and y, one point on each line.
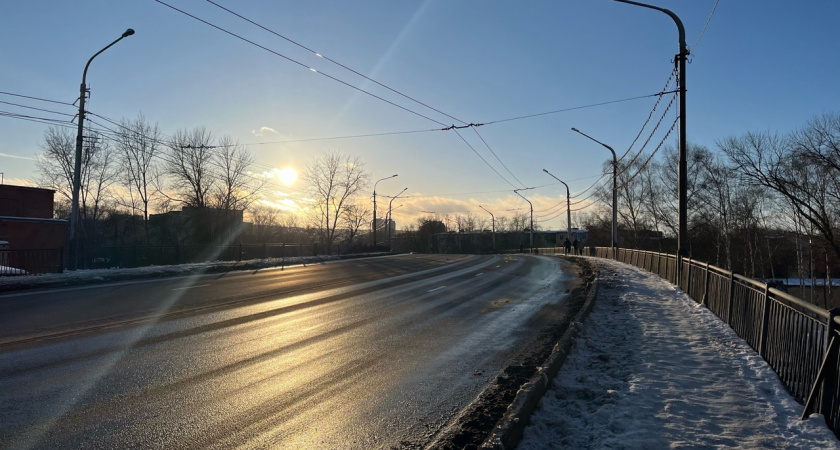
493	218
568	206
388	223
77	164
682	237
516	191
614	189
374	206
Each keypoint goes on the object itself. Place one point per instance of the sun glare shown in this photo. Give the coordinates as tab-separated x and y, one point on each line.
286	175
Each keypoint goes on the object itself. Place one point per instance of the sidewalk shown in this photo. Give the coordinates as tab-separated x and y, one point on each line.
652	369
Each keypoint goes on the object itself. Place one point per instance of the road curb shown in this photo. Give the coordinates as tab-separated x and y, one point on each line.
508	432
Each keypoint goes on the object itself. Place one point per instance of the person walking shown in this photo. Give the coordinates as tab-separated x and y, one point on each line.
567	245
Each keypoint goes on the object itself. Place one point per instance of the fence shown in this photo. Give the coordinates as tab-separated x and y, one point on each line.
800	341
36	262
23	262
139	256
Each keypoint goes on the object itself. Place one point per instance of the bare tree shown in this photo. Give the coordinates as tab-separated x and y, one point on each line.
354	218
139	144
56	165
235	188
520	222
189	167
796	169
333	180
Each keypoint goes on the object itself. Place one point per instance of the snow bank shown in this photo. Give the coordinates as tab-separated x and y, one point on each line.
653	369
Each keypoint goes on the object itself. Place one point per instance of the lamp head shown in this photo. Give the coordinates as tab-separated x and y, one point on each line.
128	32
575	129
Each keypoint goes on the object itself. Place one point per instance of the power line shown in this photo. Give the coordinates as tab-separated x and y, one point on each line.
655	105
298	62
392	133
485	161
702	32
46	120
37	109
320	55
573	108
497	157
36	98
650	136
642	168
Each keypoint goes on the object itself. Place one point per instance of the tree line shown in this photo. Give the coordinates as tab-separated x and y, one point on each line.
135	171
759	202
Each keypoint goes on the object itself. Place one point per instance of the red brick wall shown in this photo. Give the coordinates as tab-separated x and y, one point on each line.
22	201
33	234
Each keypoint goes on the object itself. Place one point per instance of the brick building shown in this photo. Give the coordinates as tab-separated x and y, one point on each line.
32	237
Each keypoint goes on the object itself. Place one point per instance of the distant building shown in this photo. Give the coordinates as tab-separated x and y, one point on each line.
197	226
31	235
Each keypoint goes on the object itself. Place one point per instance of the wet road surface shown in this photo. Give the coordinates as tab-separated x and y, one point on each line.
368	353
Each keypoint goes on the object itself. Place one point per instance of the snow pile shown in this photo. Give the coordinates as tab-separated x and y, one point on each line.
653	369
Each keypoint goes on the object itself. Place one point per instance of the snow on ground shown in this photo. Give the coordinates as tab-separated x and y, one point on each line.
653	369
70	277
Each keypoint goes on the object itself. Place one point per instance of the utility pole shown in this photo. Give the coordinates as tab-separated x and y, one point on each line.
568	207
679	60
73	241
374	206
614	191
516	191
494	226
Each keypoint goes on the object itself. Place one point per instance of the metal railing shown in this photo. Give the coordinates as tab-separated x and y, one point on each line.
799	340
30	262
159	255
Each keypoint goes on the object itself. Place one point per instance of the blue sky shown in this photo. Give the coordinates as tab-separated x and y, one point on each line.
766	65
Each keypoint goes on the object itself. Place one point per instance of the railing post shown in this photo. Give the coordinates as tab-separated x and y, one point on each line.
688	279
825	385
705	301
829	388
765	322
731	298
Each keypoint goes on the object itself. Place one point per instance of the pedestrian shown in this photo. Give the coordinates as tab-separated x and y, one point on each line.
521	248
576	245
567	245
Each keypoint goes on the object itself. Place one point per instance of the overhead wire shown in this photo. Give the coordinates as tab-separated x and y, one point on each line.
327	75
321	55
36	98
703	31
298	62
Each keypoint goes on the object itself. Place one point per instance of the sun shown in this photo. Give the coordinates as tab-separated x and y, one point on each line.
286	175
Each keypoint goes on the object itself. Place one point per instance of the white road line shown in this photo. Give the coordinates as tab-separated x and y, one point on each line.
479	274
189	287
437	288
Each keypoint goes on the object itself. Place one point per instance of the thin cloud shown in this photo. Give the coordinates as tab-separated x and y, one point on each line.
262	131
25	158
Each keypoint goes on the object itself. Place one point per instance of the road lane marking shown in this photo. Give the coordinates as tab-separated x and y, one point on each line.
437	288
189	287
479	274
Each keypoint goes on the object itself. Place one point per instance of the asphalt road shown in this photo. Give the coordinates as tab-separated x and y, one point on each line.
369	353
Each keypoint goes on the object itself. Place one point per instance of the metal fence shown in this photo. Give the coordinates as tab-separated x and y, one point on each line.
43	261
25	262
140	256
800	341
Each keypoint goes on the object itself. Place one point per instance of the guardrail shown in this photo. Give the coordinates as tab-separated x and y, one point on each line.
800	341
